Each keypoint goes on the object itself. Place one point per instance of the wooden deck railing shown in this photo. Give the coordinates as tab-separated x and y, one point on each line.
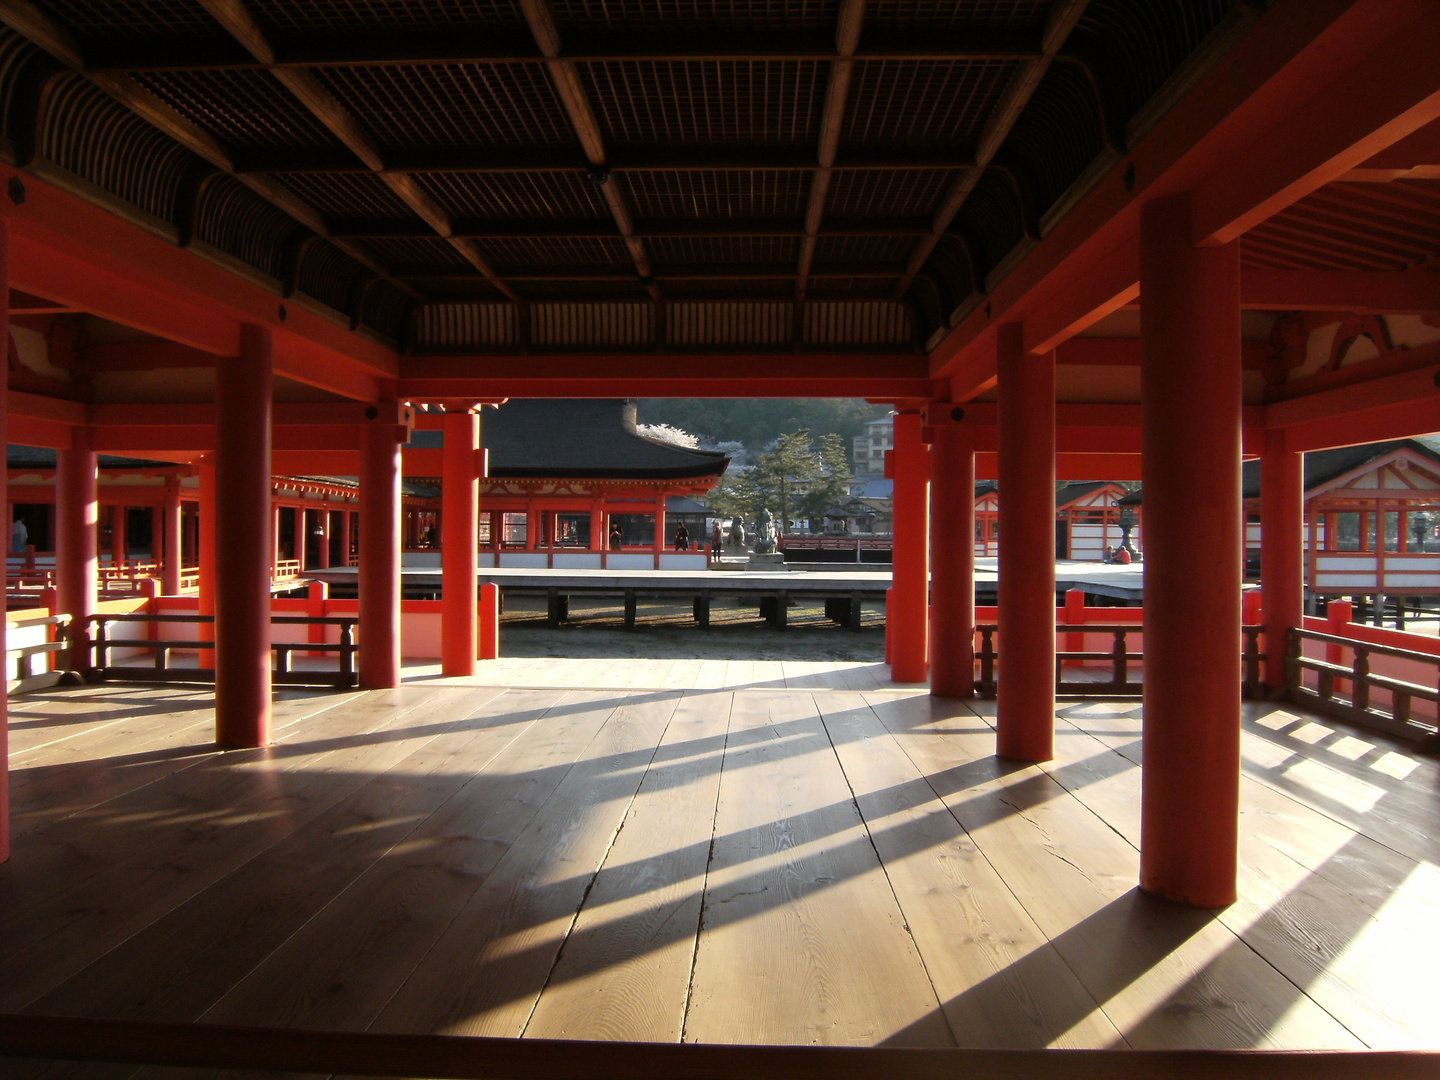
1119	658
24	655
1360	708
162	671
458	1057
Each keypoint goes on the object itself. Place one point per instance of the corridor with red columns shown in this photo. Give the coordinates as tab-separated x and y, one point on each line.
1066	240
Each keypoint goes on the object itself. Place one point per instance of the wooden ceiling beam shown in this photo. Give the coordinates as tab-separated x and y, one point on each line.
460	45
321	104
1063	16
837	93
565	77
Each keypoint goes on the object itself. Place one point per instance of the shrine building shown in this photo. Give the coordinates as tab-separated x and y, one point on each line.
272	240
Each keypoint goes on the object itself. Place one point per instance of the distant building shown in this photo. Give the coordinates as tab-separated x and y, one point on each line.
869	452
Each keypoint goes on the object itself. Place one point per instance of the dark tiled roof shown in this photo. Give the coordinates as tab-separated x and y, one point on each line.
42	457
1077	490
583	437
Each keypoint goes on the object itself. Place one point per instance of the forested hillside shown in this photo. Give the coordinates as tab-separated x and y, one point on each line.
756	422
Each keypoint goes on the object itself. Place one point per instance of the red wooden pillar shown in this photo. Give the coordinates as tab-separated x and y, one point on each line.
118	516
4	480
598	540
1282	550
379	573
952	559
205	530
1190	441
322	537
274	538
660	537
907	618
345	536
460	491
170	583
299	536
242	541
1025	706
77	563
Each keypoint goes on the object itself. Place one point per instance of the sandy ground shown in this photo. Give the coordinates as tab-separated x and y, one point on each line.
668	631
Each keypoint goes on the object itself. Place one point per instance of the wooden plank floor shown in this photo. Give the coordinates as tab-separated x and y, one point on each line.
708	851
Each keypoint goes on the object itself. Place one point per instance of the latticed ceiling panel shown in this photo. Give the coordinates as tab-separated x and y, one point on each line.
716	194
909	103
728	102
452	105
347	195
516	195
680	251
887	192
981	15
132	20
469	120
557	252
408	251
244	110
310	15
866	249
688	14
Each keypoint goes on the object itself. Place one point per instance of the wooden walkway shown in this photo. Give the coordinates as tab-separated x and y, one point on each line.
801	854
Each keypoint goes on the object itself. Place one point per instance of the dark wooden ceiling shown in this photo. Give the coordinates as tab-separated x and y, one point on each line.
605	174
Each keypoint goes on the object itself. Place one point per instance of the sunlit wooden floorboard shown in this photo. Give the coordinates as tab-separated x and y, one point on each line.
713	851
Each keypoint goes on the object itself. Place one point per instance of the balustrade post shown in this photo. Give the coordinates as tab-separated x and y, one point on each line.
1360	695
1120	665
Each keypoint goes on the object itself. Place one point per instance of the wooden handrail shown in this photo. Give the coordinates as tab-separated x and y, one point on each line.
1120	658
1360	709
102	643
459	1057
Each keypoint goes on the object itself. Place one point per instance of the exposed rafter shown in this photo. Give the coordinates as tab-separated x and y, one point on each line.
28	21
566	79
236	19
1064	14
837	93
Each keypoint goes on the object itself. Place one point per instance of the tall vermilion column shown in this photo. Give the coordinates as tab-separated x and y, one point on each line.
171	521
4	501
77	563
379	571
205	554
908	618
1282	550
460	492
952	559
660	526
298	538
1025	705
322	539
1190	442
242	541
345	536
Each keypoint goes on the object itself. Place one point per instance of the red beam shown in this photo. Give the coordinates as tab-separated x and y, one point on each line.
1071	466
35	431
1125	352
1108	286
885	376
1340	290
146	355
1401	420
